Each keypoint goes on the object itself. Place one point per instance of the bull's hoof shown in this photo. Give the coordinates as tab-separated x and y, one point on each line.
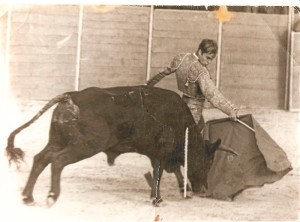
188	196
29	201
203	192
51	199
188	193
156	201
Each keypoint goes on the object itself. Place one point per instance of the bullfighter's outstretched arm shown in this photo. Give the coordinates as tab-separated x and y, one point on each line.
161	74
211	92
171	68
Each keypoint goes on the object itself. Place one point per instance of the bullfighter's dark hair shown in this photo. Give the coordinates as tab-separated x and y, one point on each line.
209	46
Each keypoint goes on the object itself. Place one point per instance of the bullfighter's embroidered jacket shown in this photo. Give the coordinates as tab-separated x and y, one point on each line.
194	81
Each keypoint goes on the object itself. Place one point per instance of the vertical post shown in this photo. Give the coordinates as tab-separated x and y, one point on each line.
150	43
78	54
219	54
185	160
287	98
6	83
290	75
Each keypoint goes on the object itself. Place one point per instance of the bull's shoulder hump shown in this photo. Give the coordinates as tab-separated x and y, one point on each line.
83	91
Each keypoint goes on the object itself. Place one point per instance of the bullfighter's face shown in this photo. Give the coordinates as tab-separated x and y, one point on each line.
206	58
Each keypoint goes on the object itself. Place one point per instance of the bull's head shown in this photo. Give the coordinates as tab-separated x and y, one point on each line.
200	162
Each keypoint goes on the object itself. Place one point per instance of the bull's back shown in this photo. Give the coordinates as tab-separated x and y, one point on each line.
119	103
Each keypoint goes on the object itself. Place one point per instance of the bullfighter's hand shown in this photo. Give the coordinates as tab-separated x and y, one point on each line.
234	115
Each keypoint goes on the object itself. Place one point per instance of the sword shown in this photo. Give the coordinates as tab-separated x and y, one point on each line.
244	124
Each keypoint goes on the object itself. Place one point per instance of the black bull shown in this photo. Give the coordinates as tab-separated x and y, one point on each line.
146	120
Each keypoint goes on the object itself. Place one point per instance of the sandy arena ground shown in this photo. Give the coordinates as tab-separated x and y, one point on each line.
93	191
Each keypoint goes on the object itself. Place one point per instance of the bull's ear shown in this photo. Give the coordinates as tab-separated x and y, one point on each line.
210	148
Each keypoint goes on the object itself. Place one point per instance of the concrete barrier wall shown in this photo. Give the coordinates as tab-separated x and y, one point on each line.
253	61
43	45
114	47
4	83
294	91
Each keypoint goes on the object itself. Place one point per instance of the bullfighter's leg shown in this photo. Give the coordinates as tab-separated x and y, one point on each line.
69	155
157	173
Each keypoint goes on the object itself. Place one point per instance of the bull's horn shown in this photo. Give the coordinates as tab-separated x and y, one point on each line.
211	148
227	149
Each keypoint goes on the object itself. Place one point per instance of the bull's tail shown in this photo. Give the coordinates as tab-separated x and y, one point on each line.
16	154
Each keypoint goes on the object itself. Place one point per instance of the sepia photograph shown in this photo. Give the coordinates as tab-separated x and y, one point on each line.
149	112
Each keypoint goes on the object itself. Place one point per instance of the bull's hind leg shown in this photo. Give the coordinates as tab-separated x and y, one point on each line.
69	155
40	161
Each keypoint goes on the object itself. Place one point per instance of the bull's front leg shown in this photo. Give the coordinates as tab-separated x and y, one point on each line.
180	181
155	192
